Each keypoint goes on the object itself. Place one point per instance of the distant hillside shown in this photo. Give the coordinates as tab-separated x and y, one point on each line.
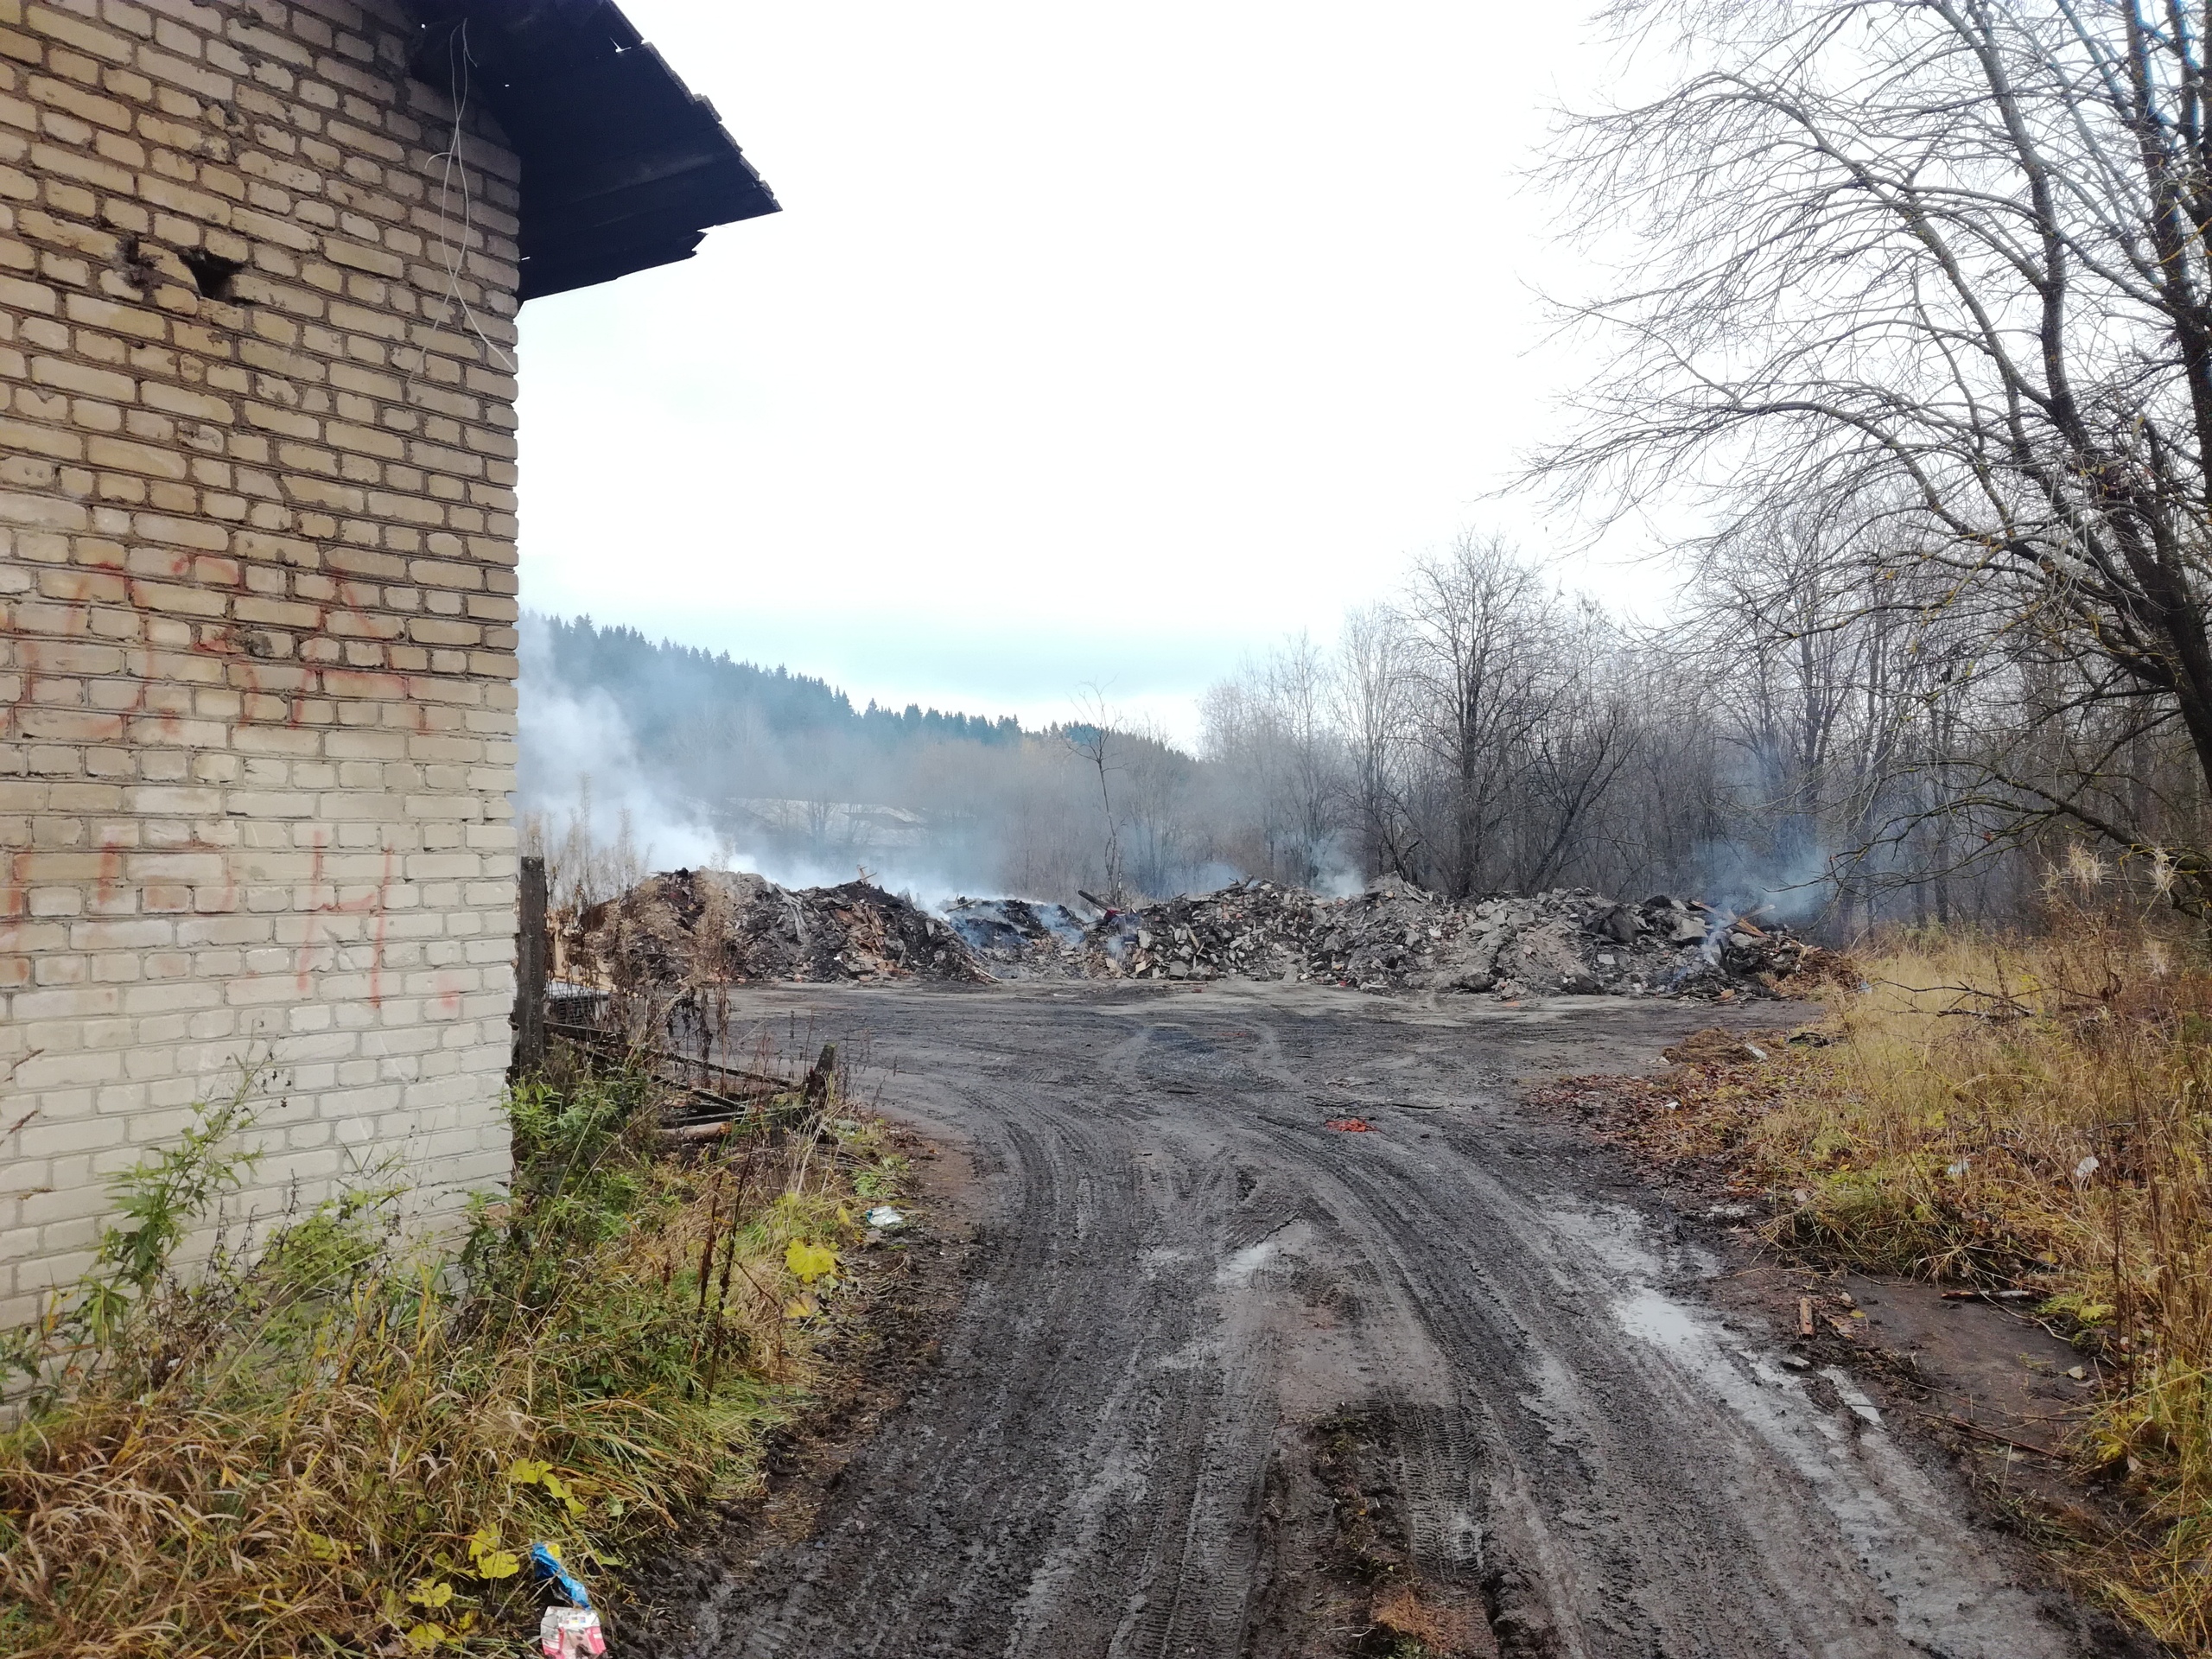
702	757
663	688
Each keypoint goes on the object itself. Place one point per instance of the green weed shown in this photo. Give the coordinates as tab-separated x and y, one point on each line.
345	1439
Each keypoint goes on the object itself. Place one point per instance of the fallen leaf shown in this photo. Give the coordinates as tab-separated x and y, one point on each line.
809	1261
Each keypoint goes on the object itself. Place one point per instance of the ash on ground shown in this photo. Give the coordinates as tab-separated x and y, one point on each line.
700	926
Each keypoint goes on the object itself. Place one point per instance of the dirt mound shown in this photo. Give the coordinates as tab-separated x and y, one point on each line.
700	926
1396	937
1716	1045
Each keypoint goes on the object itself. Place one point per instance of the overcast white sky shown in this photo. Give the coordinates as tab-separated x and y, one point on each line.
1091	344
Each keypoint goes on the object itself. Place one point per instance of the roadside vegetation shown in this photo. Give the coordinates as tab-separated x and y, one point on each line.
2019	1112
341	1439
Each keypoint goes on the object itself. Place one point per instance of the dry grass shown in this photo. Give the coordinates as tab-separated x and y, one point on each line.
341	1442
2030	1113
1416	1629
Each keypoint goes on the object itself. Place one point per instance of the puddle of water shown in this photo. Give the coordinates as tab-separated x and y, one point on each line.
1660	1320
1883	1507
1240	1268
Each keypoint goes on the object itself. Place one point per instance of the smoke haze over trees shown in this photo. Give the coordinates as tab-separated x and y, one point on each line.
1912	319
1479	731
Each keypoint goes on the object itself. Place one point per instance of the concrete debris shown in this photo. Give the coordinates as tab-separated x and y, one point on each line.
1251	930
695	927
692	927
1398	938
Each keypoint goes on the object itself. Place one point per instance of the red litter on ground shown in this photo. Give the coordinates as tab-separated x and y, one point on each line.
1349	1125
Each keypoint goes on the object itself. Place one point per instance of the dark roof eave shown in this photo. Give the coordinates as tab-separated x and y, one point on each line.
623	167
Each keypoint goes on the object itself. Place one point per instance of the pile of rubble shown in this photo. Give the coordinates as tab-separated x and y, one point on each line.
1398	938
1015	939
1253	930
690	927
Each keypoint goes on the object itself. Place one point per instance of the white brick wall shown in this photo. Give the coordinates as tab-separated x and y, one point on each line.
256	580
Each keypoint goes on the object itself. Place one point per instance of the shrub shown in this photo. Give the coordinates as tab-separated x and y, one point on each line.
348	1437
2038	1112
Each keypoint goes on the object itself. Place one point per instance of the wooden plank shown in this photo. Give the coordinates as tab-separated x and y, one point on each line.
530	971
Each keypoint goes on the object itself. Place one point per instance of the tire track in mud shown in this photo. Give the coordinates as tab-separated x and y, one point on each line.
1181	1276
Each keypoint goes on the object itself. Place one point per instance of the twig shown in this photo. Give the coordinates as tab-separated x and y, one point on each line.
604	1043
1977	1430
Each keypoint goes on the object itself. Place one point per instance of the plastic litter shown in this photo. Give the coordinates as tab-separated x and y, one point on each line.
548	1566
1349	1125
570	1633
884	1216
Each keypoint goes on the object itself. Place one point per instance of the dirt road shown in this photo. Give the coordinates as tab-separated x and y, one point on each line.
1217	1361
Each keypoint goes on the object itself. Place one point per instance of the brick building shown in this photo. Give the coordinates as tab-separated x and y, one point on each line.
260	262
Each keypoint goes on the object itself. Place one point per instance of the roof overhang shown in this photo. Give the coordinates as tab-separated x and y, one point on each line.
623	167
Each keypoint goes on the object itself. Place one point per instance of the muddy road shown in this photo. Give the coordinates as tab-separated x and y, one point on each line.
1224	1380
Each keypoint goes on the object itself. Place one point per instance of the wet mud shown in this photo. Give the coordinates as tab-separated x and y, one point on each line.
1224	1382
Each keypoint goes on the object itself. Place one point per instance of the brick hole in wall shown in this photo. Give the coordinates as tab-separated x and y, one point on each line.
133	265
212	273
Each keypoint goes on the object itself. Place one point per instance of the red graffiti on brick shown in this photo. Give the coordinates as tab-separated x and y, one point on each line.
110	882
372	904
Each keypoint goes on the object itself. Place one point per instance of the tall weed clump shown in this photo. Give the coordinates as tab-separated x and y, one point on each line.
2036	1112
346	1441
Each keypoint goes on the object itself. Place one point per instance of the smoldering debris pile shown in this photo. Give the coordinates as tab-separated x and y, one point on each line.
1016	939
1398	938
1251	930
690	927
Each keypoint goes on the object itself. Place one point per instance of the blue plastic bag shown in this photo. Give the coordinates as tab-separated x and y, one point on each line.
548	1566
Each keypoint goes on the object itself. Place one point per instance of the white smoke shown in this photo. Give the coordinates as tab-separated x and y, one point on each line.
580	773
578	764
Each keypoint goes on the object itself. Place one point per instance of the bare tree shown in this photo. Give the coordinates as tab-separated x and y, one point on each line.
1268	732
1296	681
1092	737
1477	616
1370	702
1592	726
1157	808
1940	270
